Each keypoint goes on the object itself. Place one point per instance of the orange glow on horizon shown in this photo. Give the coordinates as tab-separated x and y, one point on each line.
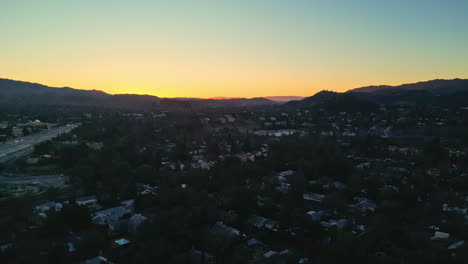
233	89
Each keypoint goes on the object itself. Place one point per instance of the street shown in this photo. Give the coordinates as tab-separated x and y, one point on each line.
17	147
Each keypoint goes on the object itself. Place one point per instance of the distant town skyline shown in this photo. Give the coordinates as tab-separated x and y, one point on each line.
239	48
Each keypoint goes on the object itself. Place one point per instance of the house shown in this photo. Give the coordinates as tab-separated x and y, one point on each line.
200	163
95	145
70	241
17	132
440	235
42	208
254	242
348	134
230	118
222	120
364	165
326	133
316	216
270	254
86	200
119	225
201	257
456	245
342	223
456	210
283	176
244	157
313	182
205	121
224	230
282	257
145	189
364	205
135	221
315	197
280	123
96	260
109	215
336	185
262	222
129	204
283	187
112	216
359	228
6	247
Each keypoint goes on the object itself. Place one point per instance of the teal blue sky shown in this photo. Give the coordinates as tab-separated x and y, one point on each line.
243	48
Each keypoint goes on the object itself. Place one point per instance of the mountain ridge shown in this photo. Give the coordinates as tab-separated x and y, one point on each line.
439	91
434	92
19	93
436	85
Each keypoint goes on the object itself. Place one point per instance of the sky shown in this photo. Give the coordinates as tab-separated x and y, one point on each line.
232	48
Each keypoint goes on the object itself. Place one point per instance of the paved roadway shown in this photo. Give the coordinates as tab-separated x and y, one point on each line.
48	181
17	147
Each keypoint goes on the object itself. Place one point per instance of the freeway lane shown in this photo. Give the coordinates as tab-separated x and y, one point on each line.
15	147
48	181
45	182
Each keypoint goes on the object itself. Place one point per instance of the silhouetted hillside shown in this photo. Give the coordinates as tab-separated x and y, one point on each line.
18	93
434	86
334	101
435	92
284	98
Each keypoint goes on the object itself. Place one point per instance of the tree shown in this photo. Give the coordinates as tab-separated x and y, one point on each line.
298	183
52	194
72	217
91	243
243	201
44	148
76	216
346	249
335	201
25	131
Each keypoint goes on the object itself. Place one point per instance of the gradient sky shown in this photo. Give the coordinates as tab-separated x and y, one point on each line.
238	48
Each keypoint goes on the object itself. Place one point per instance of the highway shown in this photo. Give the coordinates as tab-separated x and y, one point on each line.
48	181
18	147
44	182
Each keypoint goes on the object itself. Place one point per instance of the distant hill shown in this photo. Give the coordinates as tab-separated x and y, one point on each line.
333	101
223	98
18	93
257	100
435	92
26	93
434	86
284	98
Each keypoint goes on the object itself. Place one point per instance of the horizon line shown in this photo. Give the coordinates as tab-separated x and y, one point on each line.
235	97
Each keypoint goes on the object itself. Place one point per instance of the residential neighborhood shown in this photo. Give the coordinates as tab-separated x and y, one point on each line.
312	184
